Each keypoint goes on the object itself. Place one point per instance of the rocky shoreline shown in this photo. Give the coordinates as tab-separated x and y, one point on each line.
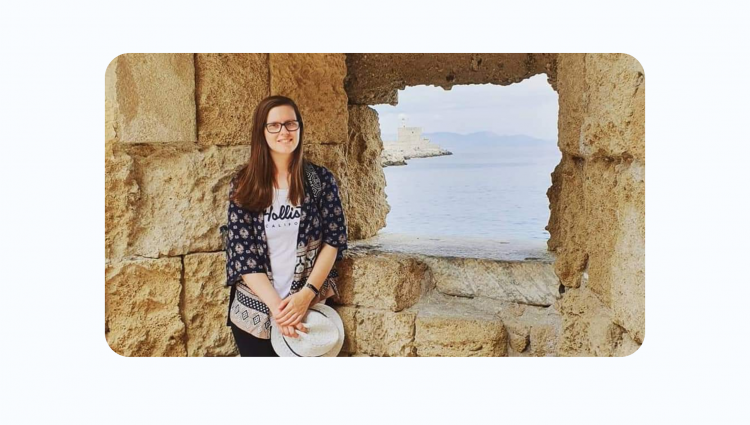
393	156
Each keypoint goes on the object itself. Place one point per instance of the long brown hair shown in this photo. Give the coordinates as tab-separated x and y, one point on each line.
254	182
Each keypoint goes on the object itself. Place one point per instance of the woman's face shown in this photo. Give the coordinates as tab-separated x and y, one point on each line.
284	142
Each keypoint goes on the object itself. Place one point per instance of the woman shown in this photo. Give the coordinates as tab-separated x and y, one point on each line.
285	231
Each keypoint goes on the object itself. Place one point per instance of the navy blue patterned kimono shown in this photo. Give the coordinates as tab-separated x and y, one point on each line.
247	250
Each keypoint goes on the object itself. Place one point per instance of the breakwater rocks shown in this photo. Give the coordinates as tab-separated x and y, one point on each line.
398	153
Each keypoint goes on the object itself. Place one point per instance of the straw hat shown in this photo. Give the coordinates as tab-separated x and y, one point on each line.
324	337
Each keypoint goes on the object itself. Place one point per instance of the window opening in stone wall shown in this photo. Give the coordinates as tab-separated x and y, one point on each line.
489	194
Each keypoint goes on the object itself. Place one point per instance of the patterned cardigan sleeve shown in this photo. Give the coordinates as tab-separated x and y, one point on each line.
334	222
242	248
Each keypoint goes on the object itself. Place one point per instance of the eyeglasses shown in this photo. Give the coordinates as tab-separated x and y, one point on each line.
275	127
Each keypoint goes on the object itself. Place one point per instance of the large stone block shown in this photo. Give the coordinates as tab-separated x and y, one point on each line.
528	330
366	180
532	331
626	347
384	281
628	285
205	305
121	197
571	86
543	340
150	98
597	228
229	87
385	333
615	214
348	317
527	282
167	200
110	102
567	226
518	338
374	78
588	327
316	83
602	105
142	308
445	335
614	124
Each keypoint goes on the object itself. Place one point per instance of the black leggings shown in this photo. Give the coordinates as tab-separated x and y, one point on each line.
251	346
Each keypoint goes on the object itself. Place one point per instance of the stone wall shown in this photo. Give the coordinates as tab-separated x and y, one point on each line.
597	198
177	125
375	78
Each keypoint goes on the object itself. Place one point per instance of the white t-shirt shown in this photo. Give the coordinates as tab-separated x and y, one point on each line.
282	224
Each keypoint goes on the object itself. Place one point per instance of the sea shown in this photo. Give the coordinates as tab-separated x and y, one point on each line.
492	187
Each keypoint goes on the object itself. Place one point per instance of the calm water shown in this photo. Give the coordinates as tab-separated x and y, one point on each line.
482	190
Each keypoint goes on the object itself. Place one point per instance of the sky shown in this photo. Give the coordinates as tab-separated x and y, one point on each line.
529	107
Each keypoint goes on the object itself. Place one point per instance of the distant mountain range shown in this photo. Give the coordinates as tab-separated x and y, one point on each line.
481	137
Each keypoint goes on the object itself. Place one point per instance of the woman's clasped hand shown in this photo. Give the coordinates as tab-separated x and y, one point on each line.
289	313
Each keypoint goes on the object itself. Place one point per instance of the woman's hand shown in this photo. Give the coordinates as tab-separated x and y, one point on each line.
291	331
288	331
293	308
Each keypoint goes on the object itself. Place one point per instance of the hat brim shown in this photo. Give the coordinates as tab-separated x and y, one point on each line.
283	350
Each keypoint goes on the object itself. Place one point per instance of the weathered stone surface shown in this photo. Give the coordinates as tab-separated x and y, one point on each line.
385	333
567	226
316	83
597	220
598	228
457	326
374	78
628	284
142	314
543	340
204	306
110	102
228	88
121	198
348	317
366	180
150	98
333	157
385	281
588	328
616	218
527	282
535	333
602	105
531	330
597	225
614	124
518	338
626	347
572	98
442	335
171	198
